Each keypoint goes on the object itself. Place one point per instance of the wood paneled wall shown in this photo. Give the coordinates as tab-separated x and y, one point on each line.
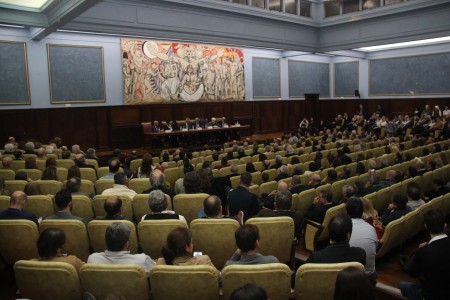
108	127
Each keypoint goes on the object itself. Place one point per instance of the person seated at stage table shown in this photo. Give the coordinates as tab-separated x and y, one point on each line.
155	127
213	123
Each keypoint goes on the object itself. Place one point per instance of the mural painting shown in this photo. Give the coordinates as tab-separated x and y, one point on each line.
167	72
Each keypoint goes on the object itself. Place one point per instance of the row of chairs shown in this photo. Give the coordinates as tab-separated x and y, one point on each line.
213	237
50	280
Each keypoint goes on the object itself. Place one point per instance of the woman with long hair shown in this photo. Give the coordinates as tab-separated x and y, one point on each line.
146	167
179	250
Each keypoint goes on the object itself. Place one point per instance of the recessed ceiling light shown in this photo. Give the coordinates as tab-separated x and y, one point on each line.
30	5
405	44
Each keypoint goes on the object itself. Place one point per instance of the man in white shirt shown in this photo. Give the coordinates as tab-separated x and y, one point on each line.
120	187
363	235
414	201
117	242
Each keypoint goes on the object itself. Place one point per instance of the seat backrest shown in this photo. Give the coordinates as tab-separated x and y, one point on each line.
15	185
97	230
49	187
215	238
103	184
33	174
139	184
19	240
413	223
135	164
188	205
334	211
235	181
77	242
47	280
274	278
7	174
65	163
126	280
268	187
88	174
40	205
305	199
276	235
393	236
61	173
92	162
87	187
4	202
171	176
17	165
99	201
82	207
153	235
184	282
316	281
271	172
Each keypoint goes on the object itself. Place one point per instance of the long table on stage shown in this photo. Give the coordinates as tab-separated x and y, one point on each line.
233	130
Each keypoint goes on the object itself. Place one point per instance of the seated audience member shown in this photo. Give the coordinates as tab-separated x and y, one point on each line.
247	240
157	180
117	238
250	168
278	162
249	291
120	187
30	163
339	250
32	188
74	185
395	210
146	167
284	170
315	181
178	250
63	201
179	184
348	191
50	162
316	212
413	194
331	177
363	235
3	190
80	161
296	185
439	189
90	154
114	166
157	202
223	163
21	175
50	247
73	171
240	199
431	262
370	215
374	184
265	177
6	162
49	173
17	203
269	200
283	204
212	208
353	284
113	209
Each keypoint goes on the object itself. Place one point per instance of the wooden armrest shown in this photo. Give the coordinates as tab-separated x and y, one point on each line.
312	233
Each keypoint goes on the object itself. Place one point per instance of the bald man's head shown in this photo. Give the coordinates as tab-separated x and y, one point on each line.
157	178
282	186
18	200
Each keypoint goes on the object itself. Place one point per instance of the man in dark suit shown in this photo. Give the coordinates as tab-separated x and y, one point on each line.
431	262
316	212
296	185
339	251
17	202
113	209
283	204
240	199
63	201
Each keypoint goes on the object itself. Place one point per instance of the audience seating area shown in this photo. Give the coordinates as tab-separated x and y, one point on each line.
213	237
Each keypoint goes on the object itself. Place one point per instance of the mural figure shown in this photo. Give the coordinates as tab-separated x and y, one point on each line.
171	72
